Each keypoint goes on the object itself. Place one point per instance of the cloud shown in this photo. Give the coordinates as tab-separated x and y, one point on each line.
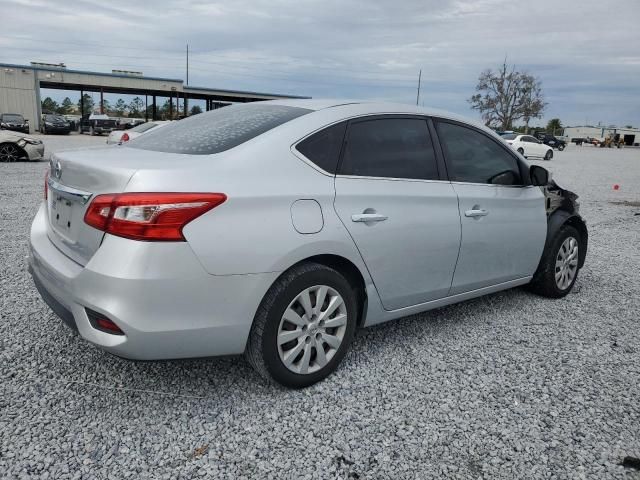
585	52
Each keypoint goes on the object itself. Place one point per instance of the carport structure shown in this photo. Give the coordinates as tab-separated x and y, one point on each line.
20	89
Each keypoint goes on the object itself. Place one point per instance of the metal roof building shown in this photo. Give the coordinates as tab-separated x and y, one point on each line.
20	88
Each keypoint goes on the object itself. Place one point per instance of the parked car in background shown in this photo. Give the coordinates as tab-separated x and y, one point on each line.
122	136
276	229
15	146
53	123
551	140
528	146
97	124
14	121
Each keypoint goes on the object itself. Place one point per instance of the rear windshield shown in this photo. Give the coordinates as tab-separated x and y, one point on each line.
509	136
143	127
217	130
10	117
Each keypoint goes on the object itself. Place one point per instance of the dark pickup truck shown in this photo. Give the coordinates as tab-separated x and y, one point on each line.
551	140
97	124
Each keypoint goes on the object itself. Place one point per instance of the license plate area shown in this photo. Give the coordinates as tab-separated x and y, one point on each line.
62	214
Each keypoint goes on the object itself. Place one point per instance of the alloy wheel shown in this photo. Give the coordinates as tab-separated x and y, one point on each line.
9	153
312	329
566	263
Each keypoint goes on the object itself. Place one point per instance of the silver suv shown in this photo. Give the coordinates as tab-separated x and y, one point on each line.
275	229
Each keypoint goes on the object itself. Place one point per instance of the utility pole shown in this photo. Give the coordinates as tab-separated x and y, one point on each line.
419	81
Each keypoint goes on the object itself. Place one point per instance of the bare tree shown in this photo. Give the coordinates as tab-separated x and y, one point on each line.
507	95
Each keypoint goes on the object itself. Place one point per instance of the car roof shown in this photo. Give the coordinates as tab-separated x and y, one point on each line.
363	107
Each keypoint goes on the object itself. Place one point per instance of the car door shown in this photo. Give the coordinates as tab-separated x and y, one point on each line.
535	147
402	213
503	217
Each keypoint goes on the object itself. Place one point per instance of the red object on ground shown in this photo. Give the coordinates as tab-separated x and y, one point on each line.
616	187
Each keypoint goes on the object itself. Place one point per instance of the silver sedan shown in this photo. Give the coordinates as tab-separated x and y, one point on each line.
15	146
276	229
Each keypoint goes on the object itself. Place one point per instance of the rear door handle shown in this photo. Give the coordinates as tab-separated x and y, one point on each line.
368	217
476	213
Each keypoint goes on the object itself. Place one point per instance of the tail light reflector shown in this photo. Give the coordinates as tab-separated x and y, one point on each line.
124	137
149	216
102	323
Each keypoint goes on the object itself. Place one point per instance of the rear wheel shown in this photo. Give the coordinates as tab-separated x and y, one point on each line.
9	153
303	326
560	147
558	269
549	155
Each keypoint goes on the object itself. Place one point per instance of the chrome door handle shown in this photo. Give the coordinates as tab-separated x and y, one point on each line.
476	213
368	217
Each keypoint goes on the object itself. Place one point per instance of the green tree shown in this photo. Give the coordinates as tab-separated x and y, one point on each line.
136	107
195	110
67	106
120	108
106	106
49	105
553	125
86	102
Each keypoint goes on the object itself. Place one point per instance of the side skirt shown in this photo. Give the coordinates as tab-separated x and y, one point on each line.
376	314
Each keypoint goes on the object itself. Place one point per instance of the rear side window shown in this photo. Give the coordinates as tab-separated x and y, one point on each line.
323	147
392	148
217	130
473	157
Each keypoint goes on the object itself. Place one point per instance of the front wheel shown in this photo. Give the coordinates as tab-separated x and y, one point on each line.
560	147
9	153
549	155
303	326
559	266
521	151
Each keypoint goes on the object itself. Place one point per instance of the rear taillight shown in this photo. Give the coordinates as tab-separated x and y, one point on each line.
124	137
46	185
149	216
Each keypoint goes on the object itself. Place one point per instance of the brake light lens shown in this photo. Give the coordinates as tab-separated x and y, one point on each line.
149	216
124	137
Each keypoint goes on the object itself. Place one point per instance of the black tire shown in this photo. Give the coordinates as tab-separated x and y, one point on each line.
560	147
521	151
549	155
262	350
544	282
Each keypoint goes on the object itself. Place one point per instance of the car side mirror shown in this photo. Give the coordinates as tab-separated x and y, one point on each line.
539	176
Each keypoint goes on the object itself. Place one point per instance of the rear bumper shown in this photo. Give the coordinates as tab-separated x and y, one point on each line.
157	293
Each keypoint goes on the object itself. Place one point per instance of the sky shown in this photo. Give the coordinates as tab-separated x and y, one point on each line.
586	53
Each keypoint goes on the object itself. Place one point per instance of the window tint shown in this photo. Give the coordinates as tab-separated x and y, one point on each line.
509	136
323	148
217	130
393	148
529	139
474	157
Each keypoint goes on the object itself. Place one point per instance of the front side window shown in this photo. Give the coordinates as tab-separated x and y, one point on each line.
474	157
323	147
217	130
391	148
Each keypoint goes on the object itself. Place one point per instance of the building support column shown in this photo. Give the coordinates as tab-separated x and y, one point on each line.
146	108
101	101
153	113
81	104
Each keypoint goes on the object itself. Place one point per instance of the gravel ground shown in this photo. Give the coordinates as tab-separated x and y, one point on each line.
507	386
